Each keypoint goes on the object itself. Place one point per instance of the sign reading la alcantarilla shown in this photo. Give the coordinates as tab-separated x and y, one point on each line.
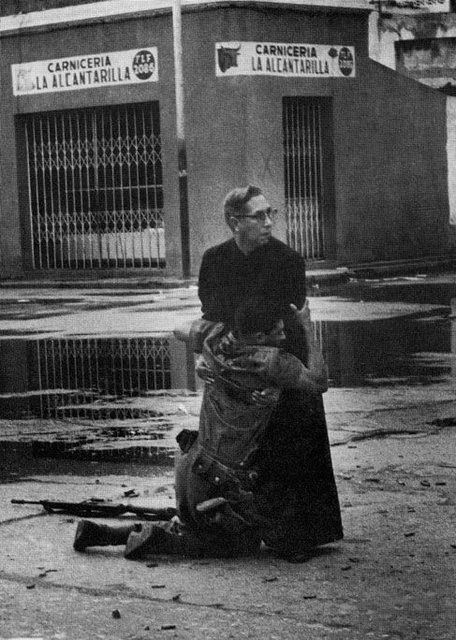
284	59
85	72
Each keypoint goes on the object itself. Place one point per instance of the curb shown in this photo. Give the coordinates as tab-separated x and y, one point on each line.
315	277
127	283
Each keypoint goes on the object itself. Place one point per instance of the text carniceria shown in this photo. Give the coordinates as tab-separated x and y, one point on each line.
291	50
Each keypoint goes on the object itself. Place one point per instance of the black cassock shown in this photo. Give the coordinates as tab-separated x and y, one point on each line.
296	478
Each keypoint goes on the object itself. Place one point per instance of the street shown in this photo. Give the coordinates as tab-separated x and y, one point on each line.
390	345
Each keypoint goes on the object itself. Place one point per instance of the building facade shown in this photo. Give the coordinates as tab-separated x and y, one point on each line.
418	40
283	95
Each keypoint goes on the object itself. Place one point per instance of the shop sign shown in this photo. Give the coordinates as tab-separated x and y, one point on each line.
135	66
284	59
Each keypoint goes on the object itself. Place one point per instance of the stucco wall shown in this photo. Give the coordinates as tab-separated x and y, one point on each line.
390	166
72	42
234	124
429	42
390	192
391	184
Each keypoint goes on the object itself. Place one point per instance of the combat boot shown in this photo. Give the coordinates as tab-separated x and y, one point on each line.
151	539
156	540
90	534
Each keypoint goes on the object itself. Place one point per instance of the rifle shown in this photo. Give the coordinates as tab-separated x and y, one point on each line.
94	509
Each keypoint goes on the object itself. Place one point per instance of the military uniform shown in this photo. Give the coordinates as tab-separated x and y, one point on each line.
295	460
224	460
227	502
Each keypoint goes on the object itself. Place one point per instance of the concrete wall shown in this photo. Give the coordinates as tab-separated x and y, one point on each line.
244	142
389	193
391	182
431	62
390	168
79	41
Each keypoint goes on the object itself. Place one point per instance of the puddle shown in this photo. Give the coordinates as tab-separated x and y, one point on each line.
108	451
114	448
388	352
119	293
67	378
8	302
21	460
106	380
75	389
414	289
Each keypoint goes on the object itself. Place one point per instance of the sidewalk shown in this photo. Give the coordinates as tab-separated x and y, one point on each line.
153	283
316	275
393	576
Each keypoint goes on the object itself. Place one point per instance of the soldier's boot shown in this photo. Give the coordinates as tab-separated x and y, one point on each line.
90	534
156	540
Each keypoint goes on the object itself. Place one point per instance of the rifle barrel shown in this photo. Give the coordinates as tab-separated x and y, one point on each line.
100	509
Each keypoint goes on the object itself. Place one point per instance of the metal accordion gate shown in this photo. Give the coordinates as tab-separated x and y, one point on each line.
303	161
95	188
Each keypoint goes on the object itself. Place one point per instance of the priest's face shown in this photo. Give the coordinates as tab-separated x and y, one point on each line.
254	227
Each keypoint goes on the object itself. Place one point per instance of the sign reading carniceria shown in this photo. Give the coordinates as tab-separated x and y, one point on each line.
86	72
284	59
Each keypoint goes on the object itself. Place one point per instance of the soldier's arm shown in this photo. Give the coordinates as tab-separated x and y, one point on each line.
315	363
203	370
289	372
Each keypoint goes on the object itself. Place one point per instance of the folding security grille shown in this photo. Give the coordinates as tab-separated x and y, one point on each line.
74	375
95	182
303	160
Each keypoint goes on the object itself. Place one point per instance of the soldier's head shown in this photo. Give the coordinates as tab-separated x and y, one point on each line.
249	216
259	320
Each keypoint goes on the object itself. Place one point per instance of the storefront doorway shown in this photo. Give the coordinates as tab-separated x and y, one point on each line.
307	157
95	188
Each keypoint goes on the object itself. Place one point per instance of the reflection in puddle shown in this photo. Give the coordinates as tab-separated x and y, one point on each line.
387	352
20	459
416	290
150	443
102	380
109	451
68	378
93	381
105	378
453	335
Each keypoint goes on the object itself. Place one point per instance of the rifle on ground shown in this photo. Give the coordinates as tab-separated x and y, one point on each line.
94	509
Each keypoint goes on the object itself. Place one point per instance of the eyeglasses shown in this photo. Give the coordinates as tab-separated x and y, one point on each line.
261	215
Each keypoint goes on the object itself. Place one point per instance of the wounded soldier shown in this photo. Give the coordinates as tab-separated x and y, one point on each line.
225	506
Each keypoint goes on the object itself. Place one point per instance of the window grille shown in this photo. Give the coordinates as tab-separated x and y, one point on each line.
95	183
303	162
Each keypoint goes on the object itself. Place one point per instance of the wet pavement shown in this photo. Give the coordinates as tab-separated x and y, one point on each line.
393	575
102	367
91	398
